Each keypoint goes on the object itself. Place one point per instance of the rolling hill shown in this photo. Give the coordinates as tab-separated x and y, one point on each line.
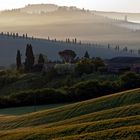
69	22
10	45
60	22
116	116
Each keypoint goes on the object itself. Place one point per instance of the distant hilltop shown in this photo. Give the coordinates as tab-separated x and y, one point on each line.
42	8
39	8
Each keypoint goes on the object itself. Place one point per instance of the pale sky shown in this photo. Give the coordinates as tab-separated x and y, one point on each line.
103	5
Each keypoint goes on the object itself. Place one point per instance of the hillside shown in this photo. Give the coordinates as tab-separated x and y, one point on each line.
134	17
69	22
51	49
39	8
113	116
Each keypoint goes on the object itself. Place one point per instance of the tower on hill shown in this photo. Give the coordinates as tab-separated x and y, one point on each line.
125	18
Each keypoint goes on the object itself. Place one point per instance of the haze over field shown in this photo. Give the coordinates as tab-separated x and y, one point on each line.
62	22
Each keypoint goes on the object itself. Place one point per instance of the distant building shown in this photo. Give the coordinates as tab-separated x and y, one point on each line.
125	18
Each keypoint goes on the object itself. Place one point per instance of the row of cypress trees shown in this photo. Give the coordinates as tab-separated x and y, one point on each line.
29	59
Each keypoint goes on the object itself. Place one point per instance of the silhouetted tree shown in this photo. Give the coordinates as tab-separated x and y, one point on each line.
41	59
68	40
16	34
29	61
86	55
26	35
23	35
7	33
67	55
18	60
125	49
48	38
75	40
108	46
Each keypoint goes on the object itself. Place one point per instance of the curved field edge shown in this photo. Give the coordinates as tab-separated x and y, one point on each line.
120	112
75	110
68	130
113	113
123	133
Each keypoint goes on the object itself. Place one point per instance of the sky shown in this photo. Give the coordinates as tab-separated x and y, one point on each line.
102	5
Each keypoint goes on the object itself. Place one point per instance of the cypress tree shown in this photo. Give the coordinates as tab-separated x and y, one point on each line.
41	59
18	60
29	61
86	55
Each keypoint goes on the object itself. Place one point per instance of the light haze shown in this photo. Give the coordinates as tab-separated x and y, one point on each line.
102	5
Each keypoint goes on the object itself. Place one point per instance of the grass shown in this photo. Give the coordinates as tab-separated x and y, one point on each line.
27	109
123	133
67	130
118	112
114	116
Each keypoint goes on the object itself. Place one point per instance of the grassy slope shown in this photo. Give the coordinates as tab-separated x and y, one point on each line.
123	133
74	110
109	112
67	130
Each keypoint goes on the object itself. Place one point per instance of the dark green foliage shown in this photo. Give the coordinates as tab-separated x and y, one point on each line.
88	66
18	60
84	90
130	80
50	74
84	66
7	77
30	87
98	62
92	89
67	55
33	97
41	59
29	61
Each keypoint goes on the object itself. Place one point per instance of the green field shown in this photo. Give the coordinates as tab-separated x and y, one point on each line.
110	117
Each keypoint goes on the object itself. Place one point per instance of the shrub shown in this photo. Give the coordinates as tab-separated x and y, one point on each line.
85	90
84	66
43	96
130	80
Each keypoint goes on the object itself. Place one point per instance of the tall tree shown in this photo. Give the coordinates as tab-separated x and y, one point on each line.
26	35
75	40
18	60
86	55
41	59
29	61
